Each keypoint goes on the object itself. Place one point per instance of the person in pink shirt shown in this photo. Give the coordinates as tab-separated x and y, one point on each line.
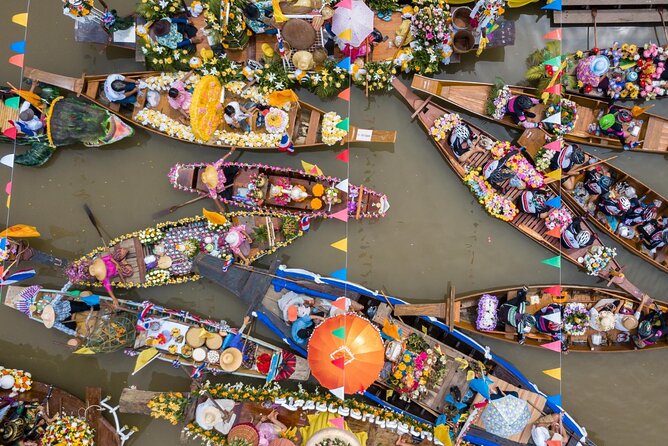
239	242
179	98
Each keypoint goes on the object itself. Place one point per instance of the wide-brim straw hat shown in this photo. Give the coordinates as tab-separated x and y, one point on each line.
299	34
333	433
244	431
231	359
302	60
164	262
319	55
281	442
98	269
298	7
210	176
606	320
214	342
207	417
193	338
48	316
629	322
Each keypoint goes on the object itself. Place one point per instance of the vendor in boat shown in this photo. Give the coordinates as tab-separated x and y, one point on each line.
29	122
462	141
513	313
614	205
533	202
625	319
119	90
654	235
175	33
652	327
302	328
496	172
568	158
641	213
239	242
108	266
518	109
548	321
218	178
575	236
597	181
179	98
237	117
259	17
612	125
269	428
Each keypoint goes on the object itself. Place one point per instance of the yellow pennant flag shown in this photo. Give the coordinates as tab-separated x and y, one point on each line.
346	34
555	174
554	373
341	245
145	358
442	433
84	351
311	168
21	19
389	393
20	231
470	374
215	218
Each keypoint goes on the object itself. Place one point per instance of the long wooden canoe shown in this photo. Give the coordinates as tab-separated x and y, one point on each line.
261	290
466	313
360	201
534	139
472	97
534	227
56	400
305	120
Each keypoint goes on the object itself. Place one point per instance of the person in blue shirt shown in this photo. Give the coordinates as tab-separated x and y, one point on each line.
302	329
258	17
175	33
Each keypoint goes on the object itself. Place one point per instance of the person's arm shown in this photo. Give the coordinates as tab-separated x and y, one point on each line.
61	327
131	92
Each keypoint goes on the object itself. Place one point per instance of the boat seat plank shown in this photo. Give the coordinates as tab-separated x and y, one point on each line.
607	16
313	124
656	135
92	88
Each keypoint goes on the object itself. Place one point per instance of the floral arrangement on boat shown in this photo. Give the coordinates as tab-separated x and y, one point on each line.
68	430
597	259
79	8
276	121
497	104
558	218
487	312
523	169
377	75
495	204
576	318
543	159
442	126
331	134
569	116
15	380
169	405
429	25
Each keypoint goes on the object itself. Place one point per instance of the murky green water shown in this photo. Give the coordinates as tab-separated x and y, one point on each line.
434	233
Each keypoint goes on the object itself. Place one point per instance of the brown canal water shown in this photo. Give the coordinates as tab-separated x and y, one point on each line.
435	231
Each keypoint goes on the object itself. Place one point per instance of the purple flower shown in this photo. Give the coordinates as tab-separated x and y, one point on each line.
430	36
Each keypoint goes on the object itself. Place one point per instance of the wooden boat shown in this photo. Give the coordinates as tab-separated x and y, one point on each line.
105	330
261	290
534	227
472	97
54	401
178	241
533	139
466	310
305	121
262	180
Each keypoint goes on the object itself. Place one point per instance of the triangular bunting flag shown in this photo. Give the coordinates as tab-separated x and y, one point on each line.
555	62
341	215
554	373
442	434
10	132
553	261
348	4
311	168
338	392
555	174
554	145
145	358
13	102
555	34
346	34
339	362
343	156
338	422
9	199
554	232
553	6
554	202
21	19
18	47
553	119
343	186
553	443
553	290
344	125
554	89
554	346
8	160
554	399
341	245
345	94
339	332
345	64
553	317
340	303
84	351
16	59
340	274
8	188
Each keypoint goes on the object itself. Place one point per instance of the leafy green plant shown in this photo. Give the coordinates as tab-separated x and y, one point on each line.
289	227
498	85
383	5
260	234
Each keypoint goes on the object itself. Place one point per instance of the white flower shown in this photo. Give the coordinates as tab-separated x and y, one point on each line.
163	4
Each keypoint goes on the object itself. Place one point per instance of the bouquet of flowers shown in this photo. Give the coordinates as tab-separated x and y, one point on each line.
430	25
496	205
443	125
331	134
150	236
328	81
525	172
258	179
22	380
497	108
487	318
544	158
597	259
561	217
153	10
276	121
79	8
427	59
233	24
170	405
576	318
378	76
68	430
157	277
331	196
569	117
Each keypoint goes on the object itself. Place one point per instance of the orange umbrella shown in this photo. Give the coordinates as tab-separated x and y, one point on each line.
346	351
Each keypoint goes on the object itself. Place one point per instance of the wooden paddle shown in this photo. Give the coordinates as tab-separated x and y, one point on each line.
581	168
93	220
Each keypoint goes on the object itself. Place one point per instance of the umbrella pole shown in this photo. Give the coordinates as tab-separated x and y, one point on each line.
366	62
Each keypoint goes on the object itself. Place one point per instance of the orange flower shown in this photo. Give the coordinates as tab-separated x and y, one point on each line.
318	190
316	204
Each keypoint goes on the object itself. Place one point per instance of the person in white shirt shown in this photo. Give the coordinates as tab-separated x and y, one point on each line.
28	122
623	322
237	117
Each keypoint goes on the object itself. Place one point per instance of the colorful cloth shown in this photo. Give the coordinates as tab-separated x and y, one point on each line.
173	38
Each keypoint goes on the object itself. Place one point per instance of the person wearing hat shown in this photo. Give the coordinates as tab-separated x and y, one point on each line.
302	328
28	122
462	142
217	178
513	313
269	428
518	108
624	320
208	415
259	17
548	321
651	328
613	205
496	172
294	306
103	269
56	312
654	235
611	124
640	212
175	33
575	236
569	157
239	242
533	202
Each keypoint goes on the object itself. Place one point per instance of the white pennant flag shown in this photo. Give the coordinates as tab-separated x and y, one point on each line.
553	119
343	186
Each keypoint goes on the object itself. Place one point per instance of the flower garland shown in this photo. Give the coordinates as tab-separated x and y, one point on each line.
331	134
569	116
163	81
163	123
561	218
67	430
576	318
150	236
597	259
496	205
523	169
171	406
443	125
543	159
22	380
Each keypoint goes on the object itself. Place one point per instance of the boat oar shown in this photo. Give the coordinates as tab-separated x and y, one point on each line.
168	211
581	168
93	220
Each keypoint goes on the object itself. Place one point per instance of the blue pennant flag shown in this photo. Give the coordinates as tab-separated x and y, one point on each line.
345	63
91	300
341	274
554	202
554	399
553	6
18	47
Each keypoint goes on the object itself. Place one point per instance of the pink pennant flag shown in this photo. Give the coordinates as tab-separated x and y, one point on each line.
555	34
554	145
338	422
8	188
10	132
348	4
341	215
343	156
16	59
553	290
554	346
554	89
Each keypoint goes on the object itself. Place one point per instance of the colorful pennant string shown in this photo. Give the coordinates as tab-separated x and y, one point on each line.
553	261
555	34
554	373
341	274
554	202
21	19
344	156
345	94
554	5
341	245
554	346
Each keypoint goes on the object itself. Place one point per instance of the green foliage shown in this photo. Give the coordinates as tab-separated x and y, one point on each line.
151	10
498	85
534	73
329	81
383	5
260	234
273	77
289	227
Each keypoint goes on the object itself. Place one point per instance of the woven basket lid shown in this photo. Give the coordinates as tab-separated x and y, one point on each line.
214	342
244	431
299	34
193	339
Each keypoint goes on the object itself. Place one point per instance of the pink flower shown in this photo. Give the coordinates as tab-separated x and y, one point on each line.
430	36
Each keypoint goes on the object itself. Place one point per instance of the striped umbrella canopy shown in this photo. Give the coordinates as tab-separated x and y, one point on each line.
346	352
